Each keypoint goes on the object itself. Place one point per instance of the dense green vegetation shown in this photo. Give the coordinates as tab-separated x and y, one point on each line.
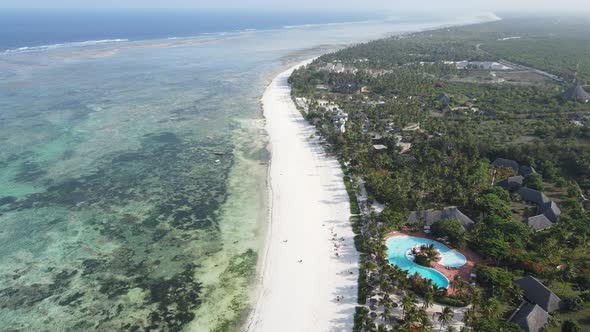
450	229
558	45
457	121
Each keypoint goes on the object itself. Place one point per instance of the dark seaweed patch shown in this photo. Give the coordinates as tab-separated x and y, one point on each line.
159	234
176	298
162	138
114	288
92	266
71	298
67	154
29	172
183	187
25	296
20	156
186	198
7	200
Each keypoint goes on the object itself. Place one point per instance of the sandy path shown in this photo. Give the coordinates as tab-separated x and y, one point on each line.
309	204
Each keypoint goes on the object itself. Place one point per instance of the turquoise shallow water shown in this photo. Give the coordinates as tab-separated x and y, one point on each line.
115	212
399	246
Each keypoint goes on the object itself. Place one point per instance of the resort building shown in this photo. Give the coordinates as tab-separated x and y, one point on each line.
539	223
551	211
429	217
576	92
535	292
547	207
443	98
482	65
533	313
348	88
379	147
340	121
531	318
527	170
412	127
506	163
533	196
512	183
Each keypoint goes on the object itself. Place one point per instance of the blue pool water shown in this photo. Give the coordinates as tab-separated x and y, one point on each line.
398	247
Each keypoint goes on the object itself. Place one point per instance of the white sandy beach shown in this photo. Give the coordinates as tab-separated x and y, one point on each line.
309	204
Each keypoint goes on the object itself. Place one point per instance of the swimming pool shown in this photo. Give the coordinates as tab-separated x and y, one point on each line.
398	247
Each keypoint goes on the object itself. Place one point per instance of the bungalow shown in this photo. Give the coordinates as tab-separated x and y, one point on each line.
512	183
377	138
547	208
576	92
532	196
527	170
340	121
506	163
347	88
443	98
404	143
539	223
412	127
531	318
535	292
379	147
551	211
429	217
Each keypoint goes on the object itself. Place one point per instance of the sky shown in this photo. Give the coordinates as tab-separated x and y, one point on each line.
342	5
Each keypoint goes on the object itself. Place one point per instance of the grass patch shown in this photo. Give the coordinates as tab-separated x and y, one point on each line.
363	287
354	206
448	301
582	317
359	319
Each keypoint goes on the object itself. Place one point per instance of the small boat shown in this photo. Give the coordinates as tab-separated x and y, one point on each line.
219	153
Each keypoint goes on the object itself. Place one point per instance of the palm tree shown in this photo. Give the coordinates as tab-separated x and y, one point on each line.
411	317
469	317
428	300
385	315
568	273
422	316
458	284
408	302
493	308
476	297
446	316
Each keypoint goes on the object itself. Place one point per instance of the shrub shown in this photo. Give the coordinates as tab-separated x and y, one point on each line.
582	282
573	303
361	316
570	326
449	301
451	229
534	181
494	276
363	287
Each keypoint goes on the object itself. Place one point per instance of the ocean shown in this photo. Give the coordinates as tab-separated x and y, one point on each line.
133	190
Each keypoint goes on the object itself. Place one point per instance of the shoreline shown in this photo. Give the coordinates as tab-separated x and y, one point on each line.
300	278
259	315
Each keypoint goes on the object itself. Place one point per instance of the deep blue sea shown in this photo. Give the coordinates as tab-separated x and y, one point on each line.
133	161
38	28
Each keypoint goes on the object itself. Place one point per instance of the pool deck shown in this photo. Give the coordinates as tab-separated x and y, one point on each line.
463	272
